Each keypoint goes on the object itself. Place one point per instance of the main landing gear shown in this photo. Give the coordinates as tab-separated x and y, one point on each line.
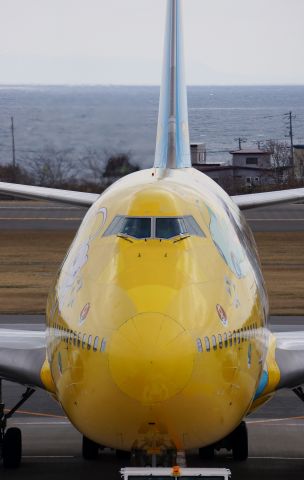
237	441
10	438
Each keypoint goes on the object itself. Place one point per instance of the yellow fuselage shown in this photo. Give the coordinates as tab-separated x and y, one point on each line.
130	320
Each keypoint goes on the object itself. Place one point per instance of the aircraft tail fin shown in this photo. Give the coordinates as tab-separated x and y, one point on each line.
172	142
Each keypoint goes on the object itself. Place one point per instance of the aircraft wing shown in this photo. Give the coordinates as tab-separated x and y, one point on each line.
22	355
255	200
81	199
289	356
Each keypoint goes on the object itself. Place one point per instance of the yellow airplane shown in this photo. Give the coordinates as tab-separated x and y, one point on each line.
156	335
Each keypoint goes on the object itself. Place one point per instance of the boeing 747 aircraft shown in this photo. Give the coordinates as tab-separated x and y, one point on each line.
156	336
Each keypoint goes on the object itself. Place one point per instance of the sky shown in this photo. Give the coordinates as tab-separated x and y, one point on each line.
120	42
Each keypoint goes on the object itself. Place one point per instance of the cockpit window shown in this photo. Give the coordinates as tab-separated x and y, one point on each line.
137	227
116	226
154	227
193	227
169	227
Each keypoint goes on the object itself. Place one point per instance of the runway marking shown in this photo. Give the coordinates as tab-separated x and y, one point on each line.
271	420
37	414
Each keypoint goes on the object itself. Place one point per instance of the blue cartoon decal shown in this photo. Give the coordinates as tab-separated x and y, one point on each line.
262	384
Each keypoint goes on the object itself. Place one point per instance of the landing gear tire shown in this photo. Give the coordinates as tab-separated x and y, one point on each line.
206	453
240	443
12	448
89	449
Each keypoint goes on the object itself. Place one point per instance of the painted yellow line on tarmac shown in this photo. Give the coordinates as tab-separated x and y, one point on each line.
271	420
37	414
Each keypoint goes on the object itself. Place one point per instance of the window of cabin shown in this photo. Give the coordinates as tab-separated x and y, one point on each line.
242	335
79	339
225	340
230	339
103	345
238	336
199	345
84	338
207	343
214	343
220	340
89	342
95	345
234	337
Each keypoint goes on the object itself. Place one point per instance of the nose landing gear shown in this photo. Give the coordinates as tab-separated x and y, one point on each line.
10	439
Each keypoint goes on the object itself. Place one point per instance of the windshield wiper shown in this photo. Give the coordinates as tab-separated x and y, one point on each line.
182	237
124	237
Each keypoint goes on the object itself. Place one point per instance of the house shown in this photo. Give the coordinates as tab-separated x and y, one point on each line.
254	158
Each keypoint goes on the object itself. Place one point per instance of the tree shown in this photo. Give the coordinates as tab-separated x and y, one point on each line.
94	161
11	174
119	165
280	152
52	168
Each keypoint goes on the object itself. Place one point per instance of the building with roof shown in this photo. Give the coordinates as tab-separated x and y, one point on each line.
248	168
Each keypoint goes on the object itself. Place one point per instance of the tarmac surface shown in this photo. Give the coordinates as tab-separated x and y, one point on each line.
52	447
29	215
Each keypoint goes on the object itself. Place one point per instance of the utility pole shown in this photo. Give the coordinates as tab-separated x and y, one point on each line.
291	117
240	140
13	143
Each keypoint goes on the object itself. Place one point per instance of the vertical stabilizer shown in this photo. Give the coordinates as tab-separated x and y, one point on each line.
172	142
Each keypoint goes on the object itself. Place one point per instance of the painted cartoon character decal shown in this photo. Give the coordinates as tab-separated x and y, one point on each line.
227	244
232	292
71	281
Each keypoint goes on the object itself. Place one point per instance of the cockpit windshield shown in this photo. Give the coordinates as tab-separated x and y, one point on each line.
137	227
169	227
154	227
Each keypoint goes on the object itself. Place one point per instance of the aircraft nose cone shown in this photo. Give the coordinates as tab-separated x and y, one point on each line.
151	357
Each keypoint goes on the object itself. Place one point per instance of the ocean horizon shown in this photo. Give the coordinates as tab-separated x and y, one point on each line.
123	119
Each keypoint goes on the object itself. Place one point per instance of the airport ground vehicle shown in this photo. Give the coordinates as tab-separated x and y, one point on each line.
175	472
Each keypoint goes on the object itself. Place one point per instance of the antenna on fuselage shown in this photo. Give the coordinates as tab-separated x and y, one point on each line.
172	142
